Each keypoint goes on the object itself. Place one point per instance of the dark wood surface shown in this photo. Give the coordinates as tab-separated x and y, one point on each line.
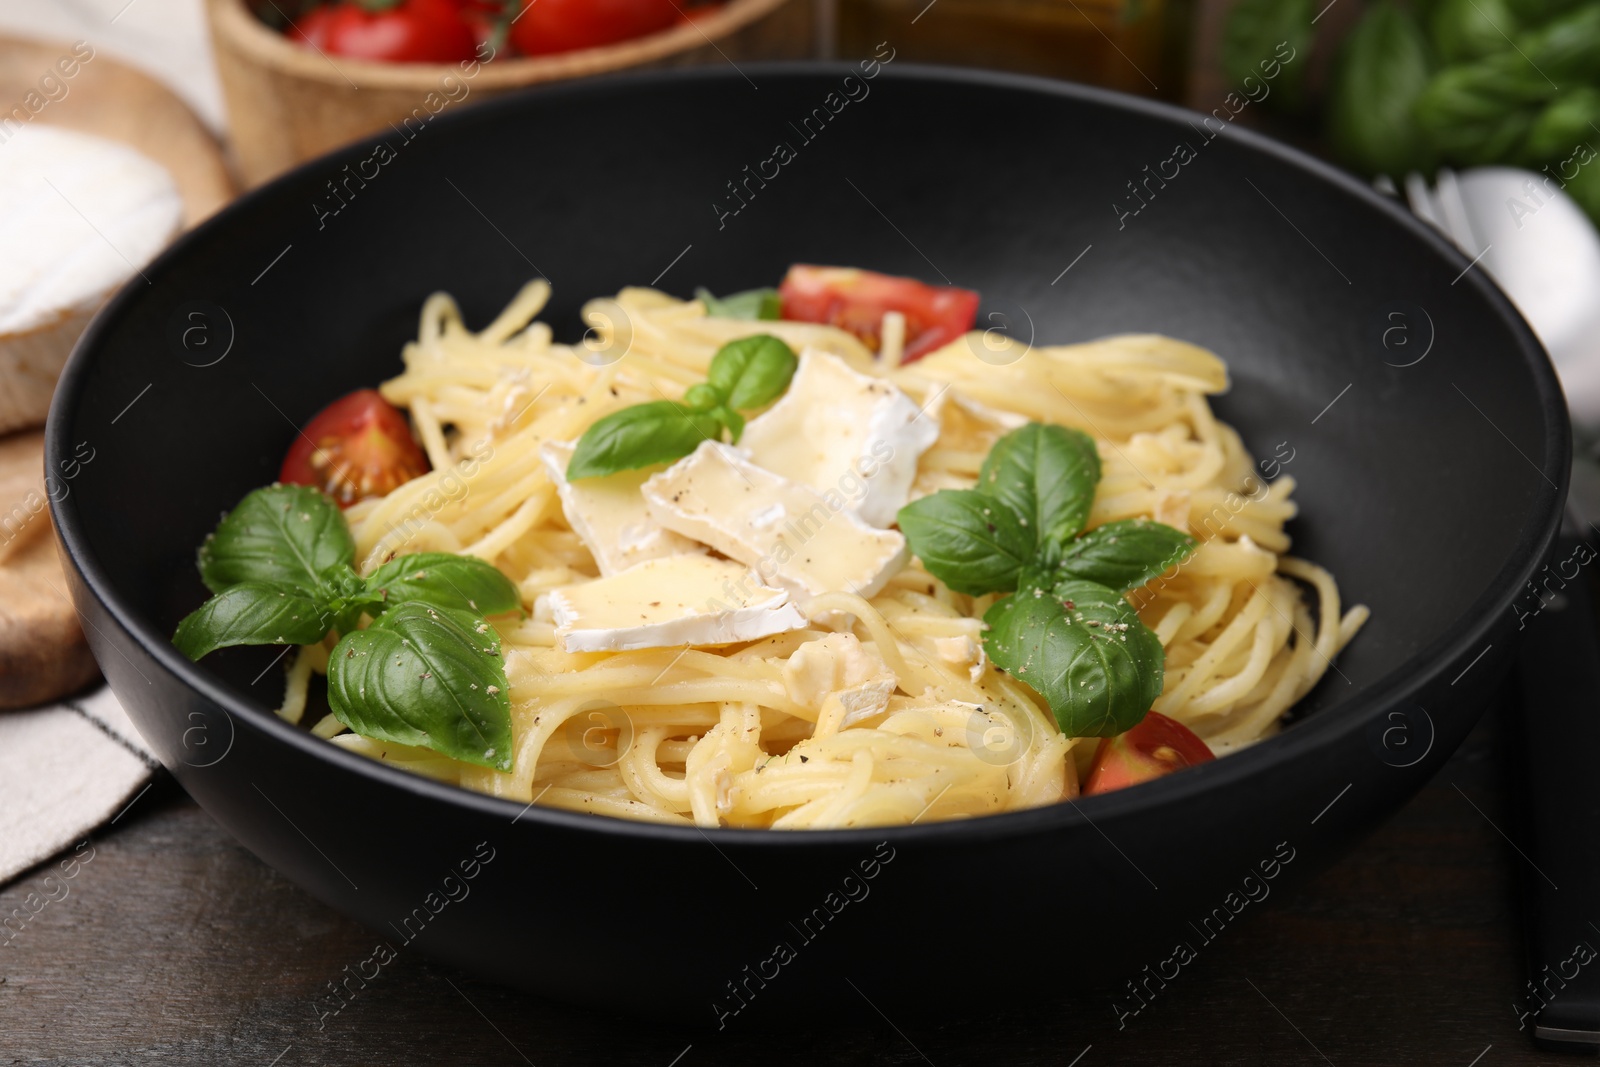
173	945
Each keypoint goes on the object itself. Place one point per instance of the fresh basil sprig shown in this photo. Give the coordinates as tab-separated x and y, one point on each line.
748	373
752	304
1067	630
426	672
1082	647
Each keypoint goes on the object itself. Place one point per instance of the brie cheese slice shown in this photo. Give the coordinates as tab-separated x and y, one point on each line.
787	532
609	515
844	433
668	602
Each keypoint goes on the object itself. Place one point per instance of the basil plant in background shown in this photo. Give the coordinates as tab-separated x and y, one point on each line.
1428	83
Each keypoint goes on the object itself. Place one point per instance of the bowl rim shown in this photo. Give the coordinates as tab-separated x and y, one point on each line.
232	22
1324	730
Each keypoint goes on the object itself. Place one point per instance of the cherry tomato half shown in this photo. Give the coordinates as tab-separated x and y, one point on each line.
356	447
407	31
1157	746
856	300
546	26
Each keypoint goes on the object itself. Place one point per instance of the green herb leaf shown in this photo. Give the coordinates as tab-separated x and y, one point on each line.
752	371
1481	113
426	676
1082	647
1567	48
641	436
1568	121
252	613
1125	555
464	583
1465	30
703	397
733	421
1252	40
1378	75
751	304
283	535
1047	474
974	543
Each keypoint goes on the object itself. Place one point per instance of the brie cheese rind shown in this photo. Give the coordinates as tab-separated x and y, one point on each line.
609	515
788	533
668	602
79	215
838	430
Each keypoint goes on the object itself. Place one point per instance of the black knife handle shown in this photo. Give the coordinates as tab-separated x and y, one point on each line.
1559	772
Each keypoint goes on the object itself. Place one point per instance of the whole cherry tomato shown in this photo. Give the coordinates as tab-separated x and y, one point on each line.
546	26
395	31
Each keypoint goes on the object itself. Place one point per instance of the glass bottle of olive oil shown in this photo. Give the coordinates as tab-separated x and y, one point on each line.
1139	46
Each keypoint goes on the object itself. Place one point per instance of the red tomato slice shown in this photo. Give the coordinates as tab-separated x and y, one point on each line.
856	300
356	447
546	26
408	31
1155	747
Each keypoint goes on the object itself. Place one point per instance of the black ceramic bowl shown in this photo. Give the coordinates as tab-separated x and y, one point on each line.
1426	429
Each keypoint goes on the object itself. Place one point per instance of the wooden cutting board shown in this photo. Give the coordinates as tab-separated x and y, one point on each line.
42	651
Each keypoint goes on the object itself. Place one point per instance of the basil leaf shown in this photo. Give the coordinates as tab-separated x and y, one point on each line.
1566	122
426	676
703	397
752	371
973	543
1464	30
1252	43
641	436
1082	647
464	583
733	421
1481	112
252	613
1567	48
1047	474
286	535
1125	555
1378	76
750	304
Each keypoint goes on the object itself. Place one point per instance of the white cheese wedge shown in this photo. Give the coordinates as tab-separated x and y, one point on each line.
671	601
79	215
963	651
610	516
845	433
839	667
787	532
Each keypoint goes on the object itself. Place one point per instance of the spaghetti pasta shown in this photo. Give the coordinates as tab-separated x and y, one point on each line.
762	733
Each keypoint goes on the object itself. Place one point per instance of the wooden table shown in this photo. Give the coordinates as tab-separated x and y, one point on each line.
175	946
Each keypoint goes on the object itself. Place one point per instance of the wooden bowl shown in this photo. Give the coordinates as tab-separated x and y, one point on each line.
288	103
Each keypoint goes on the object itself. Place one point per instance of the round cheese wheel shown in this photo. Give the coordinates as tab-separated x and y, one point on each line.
79	216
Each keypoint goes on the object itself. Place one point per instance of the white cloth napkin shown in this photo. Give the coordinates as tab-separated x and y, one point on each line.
65	769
